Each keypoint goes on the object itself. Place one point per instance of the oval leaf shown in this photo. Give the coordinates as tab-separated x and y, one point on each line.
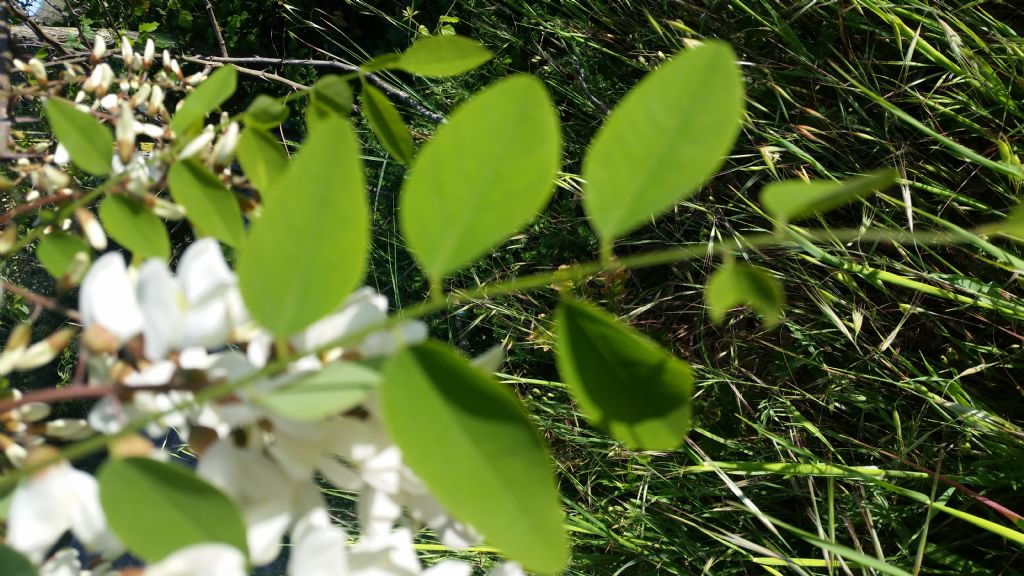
735	284
137	229
330	96
304	256
333	390
12	563
485	175
206	98
57	251
387	124
499	477
443	56
669	134
88	142
209	205
265	112
795	199
385	61
156	509
262	157
625	383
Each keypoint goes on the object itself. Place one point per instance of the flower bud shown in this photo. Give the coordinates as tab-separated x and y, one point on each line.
126	51
109	102
32	412
176	69
141	95
55	178
200	143
20	66
196	79
71	429
99	49
15	453
91	229
19	337
156	100
167	61
224	151
147	55
167	210
8	238
41	353
38	70
125	134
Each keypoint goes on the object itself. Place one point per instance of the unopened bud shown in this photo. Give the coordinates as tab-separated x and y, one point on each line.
99	48
224	151
167	210
32	412
156	100
125	132
55	178
74	273
134	446
176	69
71	429
166	61
61	156
19	337
126	51
15	453
141	96
8	238
147	57
41	353
91	228
200	143
109	102
195	79
38	70
20	66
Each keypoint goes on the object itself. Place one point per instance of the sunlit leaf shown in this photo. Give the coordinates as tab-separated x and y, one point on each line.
333	390
209	205
386	123
625	383
156	508
57	251
330	96
88	142
206	98
137	229
667	136
735	284
443	56
382	62
498	477
305	255
265	112
12	563
795	199
262	157
483	177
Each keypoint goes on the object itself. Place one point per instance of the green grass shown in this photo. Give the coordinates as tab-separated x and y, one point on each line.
878	430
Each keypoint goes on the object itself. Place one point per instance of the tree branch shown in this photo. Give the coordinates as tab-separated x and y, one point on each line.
216	29
37	30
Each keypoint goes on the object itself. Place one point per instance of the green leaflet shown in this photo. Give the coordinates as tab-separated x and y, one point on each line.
304	256
265	112
497	475
666	137
330	96
795	199
386	123
156	508
12	563
206	98
624	382
88	142
733	284
262	158
57	251
129	223
485	175
440	56
209	205
333	390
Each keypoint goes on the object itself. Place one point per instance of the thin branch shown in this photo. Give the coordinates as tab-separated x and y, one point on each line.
216	29
377	81
268	76
37	30
40	300
35	204
57	395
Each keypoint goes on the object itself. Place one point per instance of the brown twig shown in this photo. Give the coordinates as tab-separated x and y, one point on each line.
270	77
216	29
40	300
37	30
57	395
35	204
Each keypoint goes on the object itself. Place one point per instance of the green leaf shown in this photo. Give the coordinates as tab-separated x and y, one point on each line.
209	205
386	123
734	284
795	199
262	157
334	93
12	563
156	508
137	229
57	251
499	477
304	256
483	177
625	382
439	56
333	390
206	98
668	135
265	112
382	62
89	143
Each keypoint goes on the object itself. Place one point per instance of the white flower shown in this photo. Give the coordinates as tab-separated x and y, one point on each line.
55	500
198	144
107	299
361	310
318	547
198	308
201	560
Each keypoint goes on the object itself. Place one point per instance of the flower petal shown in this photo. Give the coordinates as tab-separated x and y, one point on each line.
449	568
162	309
201	560
363	308
320	551
202	272
39	512
107	298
